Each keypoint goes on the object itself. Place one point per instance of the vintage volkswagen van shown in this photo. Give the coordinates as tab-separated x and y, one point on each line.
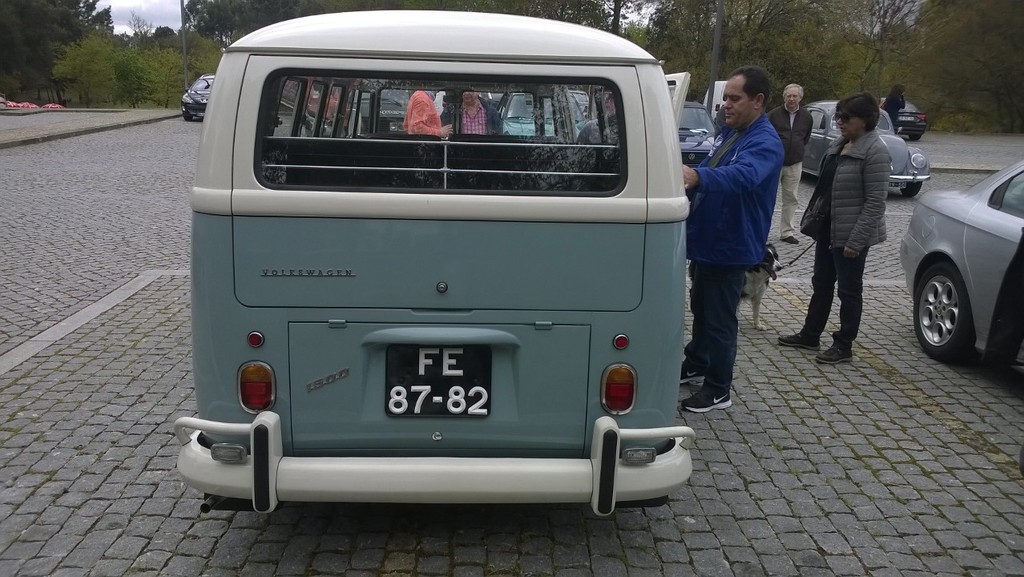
383	314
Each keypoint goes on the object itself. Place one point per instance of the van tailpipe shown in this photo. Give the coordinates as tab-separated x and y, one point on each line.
218	503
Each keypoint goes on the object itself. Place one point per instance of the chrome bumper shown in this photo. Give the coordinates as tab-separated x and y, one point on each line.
267	477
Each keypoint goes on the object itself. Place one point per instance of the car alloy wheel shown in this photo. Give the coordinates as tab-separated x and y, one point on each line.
943	321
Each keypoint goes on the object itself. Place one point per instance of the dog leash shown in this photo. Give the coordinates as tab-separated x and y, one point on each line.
802	253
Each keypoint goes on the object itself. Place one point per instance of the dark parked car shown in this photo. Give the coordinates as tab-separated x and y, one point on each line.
193	102
911	122
910	166
696	133
964	265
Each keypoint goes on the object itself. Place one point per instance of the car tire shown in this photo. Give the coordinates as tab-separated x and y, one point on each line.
943	322
188	117
912	189
915	137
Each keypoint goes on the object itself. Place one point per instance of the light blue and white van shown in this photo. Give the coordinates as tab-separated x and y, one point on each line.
381	316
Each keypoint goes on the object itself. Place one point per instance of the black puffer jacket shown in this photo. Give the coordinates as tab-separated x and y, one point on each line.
859	192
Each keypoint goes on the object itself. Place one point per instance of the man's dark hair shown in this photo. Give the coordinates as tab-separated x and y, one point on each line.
757	81
863	105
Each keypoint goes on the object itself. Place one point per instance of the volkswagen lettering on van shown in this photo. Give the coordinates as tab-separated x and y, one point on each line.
386	308
332	272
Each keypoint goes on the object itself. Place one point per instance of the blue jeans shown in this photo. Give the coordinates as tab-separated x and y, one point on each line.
714	298
831	266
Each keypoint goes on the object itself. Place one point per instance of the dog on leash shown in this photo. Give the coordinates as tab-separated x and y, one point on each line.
758	277
756	284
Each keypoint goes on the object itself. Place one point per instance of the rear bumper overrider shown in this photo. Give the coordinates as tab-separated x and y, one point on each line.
267	477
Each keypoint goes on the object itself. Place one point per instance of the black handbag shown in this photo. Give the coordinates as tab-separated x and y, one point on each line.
815	220
815	217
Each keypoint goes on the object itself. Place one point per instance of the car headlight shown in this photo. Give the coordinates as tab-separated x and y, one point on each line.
187	98
918	160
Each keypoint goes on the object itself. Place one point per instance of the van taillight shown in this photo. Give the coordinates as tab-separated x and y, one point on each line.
256	386
618	388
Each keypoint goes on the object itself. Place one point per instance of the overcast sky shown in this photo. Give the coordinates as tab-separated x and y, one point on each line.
156	12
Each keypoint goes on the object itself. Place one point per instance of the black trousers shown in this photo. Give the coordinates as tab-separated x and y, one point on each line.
830	267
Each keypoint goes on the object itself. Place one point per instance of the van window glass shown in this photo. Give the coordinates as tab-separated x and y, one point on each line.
338	131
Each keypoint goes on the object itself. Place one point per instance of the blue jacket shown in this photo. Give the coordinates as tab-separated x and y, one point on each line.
731	209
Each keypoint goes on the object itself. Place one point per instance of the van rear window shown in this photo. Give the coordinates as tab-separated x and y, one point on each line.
429	134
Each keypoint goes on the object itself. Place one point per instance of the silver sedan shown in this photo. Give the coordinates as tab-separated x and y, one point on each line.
910	167
964	267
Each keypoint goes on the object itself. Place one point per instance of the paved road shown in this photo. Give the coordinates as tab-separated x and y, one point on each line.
892	465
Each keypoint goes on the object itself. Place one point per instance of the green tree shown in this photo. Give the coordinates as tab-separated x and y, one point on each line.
884	30
164	72
215	19
131	77
32	32
87	67
203	55
773	34
966	64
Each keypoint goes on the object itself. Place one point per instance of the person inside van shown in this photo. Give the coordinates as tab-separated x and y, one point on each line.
422	118
591	133
477	116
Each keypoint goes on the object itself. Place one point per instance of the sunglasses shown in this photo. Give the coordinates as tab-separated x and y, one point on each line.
844	116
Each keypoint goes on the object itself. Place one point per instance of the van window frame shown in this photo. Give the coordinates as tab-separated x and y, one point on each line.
358	111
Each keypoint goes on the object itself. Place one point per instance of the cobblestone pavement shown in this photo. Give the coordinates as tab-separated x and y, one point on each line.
891	465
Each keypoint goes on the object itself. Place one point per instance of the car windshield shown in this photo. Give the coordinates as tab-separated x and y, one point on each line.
909	107
202	84
696	119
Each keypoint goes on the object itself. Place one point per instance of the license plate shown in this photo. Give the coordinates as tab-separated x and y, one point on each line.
438	381
898	185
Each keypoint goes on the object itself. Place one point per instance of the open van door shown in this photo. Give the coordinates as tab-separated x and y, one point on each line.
678	85
715	94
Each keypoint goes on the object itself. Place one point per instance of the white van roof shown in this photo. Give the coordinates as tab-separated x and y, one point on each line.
435	35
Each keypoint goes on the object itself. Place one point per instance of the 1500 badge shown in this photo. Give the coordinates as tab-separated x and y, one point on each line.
324	381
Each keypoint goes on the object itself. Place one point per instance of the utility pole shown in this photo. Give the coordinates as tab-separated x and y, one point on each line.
715	49
184	50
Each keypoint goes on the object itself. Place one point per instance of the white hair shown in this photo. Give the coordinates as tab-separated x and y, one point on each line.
799	88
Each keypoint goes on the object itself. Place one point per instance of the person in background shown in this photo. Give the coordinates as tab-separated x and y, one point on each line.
591	132
477	115
733	199
422	118
793	124
855	176
894	103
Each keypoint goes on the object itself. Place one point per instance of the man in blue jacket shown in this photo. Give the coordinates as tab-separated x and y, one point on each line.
732	196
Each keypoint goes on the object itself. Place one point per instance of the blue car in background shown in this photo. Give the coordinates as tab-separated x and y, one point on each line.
696	133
